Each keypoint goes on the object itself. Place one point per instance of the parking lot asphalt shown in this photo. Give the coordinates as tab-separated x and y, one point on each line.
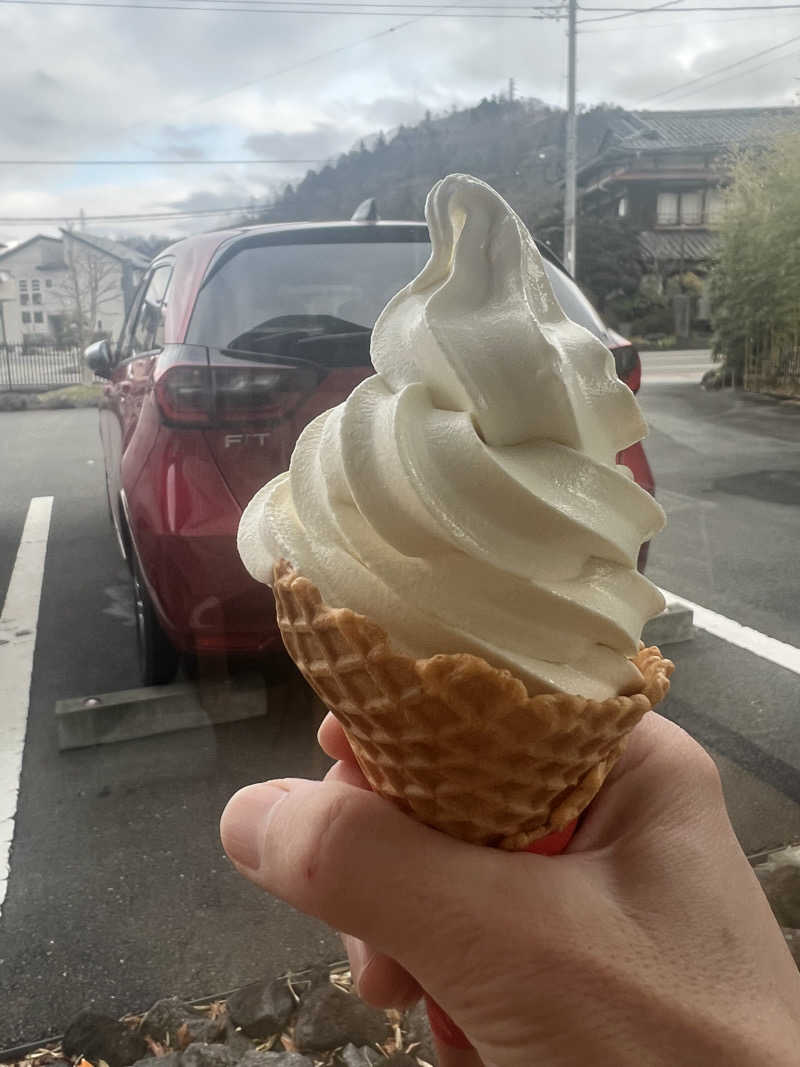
118	889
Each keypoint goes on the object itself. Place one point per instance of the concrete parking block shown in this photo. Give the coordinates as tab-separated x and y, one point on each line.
105	718
674	624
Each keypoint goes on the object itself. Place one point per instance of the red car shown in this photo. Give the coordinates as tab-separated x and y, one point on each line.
235	341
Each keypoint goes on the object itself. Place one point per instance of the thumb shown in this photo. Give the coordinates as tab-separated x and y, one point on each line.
355	861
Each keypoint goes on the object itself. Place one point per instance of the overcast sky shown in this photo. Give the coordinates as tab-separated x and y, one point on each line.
92	83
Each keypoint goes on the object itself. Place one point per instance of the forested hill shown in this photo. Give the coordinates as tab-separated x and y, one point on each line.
515	145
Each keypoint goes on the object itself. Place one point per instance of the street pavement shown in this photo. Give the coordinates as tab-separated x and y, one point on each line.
119	891
683	367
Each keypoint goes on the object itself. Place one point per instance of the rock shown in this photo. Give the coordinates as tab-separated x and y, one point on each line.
400	1059
99	1037
329	1017
202	1054
237	1042
13	402
782	886
275	1059
172	1059
166	1018
262	1009
417	1031
350	1056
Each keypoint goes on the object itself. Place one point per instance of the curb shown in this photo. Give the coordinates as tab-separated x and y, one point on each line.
672	626
106	718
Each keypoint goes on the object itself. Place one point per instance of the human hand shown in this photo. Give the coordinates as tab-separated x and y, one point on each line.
649	942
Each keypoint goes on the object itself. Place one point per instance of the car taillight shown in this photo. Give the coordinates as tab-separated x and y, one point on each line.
191	395
629	366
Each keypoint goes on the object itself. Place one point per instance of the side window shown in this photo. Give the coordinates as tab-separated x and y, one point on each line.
148	330
124	348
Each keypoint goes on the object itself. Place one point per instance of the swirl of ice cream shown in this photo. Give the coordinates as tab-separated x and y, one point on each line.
467	498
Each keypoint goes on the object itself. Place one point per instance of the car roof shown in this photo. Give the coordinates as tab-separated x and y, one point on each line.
192	256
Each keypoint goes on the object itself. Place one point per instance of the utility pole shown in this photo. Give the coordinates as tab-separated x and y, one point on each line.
511	88
572	144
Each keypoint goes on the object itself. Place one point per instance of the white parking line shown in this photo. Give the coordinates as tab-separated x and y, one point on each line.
777	652
17	643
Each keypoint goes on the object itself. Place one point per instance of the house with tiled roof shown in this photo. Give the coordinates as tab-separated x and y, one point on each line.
664	170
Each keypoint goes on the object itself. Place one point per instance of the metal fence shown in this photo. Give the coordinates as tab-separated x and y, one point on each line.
28	368
774	368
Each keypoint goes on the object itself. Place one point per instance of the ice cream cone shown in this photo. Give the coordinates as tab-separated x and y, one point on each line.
455	742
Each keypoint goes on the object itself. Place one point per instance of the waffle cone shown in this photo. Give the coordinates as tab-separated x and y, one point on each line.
455	742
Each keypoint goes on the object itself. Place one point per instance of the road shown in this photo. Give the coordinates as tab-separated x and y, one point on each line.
685	367
118	890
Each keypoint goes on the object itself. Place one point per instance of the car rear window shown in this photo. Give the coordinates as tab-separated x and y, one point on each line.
265	295
319	301
573	303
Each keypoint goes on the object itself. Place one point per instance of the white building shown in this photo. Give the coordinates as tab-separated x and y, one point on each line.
67	289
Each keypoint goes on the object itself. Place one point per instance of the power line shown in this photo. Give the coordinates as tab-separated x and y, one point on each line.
152	216
721	70
536	13
144	162
276	73
629	14
671	25
738	74
556	6
686	10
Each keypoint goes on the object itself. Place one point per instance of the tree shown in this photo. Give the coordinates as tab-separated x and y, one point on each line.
93	281
756	276
148	246
609	260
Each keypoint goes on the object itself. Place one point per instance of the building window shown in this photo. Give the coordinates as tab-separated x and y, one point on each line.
24	298
715	206
692	208
26	317
667	209
622	207
38	316
23	286
35	285
37	298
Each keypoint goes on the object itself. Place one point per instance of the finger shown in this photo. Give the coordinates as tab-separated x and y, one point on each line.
348	773
355	861
333	740
378	979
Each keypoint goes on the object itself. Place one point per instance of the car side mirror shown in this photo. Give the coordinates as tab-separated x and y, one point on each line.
98	358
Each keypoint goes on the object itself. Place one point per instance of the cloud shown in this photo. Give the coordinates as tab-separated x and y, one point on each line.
99	83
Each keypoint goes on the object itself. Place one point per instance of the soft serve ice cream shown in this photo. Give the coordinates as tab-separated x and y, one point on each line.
466	498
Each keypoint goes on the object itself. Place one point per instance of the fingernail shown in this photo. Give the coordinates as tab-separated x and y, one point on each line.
243	820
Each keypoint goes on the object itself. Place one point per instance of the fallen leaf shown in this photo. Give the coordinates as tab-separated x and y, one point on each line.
183	1038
